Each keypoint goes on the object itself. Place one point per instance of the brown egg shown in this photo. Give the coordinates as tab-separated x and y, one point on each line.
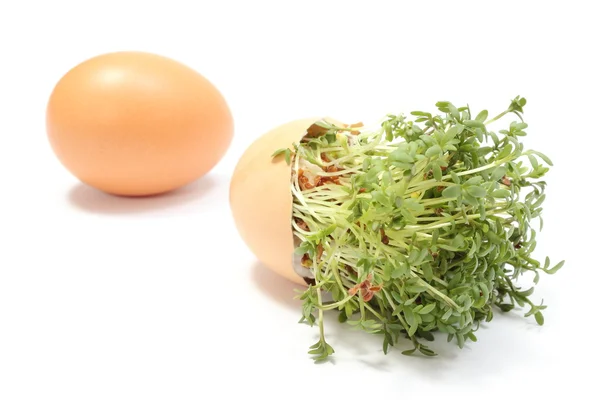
261	199
135	123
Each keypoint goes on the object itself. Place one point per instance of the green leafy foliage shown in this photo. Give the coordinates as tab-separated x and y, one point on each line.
423	225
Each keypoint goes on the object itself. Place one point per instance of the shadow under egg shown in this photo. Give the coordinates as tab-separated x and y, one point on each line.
92	200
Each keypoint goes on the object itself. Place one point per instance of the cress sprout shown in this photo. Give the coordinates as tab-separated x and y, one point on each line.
422	224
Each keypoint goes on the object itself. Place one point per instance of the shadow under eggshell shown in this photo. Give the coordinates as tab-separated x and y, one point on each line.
261	200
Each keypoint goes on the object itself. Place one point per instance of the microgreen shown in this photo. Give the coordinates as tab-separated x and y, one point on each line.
421	225
286	153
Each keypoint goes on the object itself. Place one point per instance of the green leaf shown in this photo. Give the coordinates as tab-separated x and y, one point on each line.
482	116
400	271
427	271
542	156
427	309
447	314
460	340
316	345
454	112
451	191
555	269
414	205
527	293
451	133
434	150
469	200
437	172
386	343
342	317
519	126
278	152
409	352
458	241
455	178
505	152
476	191
421	114
475	180
415	289
426	351
380	197
401	155
498	173
472	336
286	153
474	124
411	321
501	193
533	161
329	230
388	131
539	318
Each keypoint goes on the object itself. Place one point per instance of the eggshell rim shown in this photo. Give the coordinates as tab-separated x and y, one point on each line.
295	264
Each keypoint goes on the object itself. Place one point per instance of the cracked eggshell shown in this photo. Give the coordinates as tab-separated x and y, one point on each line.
261	200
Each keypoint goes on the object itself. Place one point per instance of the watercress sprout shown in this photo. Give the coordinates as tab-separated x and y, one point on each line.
421	225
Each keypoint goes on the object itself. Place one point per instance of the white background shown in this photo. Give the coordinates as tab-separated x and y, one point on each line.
108	298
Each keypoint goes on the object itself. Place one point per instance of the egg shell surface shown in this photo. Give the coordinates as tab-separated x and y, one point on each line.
135	123
261	198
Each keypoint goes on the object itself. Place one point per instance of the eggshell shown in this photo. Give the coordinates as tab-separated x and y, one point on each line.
135	123
261	199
